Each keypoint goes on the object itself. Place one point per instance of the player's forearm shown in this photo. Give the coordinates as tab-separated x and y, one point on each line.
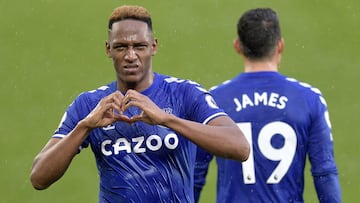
201	169
224	140
52	162
328	188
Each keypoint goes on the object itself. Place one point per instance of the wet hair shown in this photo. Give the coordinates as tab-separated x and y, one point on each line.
259	32
130	12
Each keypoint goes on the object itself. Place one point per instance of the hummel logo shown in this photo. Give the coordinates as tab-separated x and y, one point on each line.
109	127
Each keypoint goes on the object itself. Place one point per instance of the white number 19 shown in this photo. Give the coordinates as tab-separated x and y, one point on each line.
284	155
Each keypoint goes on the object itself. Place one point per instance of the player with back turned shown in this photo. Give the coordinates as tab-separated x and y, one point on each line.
142	127
283	119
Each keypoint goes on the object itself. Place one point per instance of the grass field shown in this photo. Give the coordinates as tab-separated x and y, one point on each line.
50	51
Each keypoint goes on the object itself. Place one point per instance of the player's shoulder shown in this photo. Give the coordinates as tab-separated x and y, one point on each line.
175	80
304	87
179	83
222	85
97	94
308	92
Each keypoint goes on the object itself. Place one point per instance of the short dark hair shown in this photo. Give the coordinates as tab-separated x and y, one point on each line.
130	12
259	32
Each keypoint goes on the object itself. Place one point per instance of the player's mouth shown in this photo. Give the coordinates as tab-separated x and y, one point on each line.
131	69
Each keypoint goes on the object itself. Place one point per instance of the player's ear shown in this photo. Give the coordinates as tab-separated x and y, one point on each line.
237	46
281	45
107	49
154	47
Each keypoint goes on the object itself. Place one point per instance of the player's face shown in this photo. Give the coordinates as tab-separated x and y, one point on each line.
131	46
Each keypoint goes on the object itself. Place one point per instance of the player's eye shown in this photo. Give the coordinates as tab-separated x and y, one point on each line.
140	47
120	47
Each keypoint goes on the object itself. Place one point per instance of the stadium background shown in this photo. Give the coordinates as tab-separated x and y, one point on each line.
51	50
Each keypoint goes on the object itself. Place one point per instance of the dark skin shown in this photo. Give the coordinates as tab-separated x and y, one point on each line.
131	46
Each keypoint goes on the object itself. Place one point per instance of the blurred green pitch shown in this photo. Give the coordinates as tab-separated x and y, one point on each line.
50	51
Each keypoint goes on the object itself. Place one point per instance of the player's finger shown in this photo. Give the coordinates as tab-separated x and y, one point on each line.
118	97
128	99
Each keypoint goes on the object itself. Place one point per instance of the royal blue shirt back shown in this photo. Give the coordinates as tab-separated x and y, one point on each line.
140	162
284	121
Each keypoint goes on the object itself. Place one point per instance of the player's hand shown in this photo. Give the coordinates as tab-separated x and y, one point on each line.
107	111
150	114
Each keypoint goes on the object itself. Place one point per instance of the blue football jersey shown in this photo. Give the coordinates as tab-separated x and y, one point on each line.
284	121
139	162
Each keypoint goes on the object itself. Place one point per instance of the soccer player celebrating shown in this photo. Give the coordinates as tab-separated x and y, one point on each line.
283	119
142	127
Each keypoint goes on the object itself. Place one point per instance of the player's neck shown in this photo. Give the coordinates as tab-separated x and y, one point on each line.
138	85
258	66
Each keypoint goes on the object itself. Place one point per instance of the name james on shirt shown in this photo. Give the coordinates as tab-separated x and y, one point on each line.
271	99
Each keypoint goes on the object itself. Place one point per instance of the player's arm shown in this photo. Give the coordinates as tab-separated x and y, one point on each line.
328	188
321	155
325	172
203	160
53	160
221	137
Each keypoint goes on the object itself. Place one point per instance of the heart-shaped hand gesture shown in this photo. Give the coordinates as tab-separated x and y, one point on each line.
110	109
